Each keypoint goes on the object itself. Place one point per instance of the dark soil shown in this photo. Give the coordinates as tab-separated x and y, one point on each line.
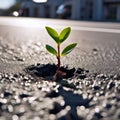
49	70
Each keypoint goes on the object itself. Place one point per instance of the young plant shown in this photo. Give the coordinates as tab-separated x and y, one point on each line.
59	39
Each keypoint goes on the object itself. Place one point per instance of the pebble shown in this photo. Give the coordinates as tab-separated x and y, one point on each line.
15	117
21	111
102	76
36	118
0	77
10	108
117	77
23	97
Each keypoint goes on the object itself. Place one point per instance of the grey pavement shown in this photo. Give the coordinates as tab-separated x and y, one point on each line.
22	42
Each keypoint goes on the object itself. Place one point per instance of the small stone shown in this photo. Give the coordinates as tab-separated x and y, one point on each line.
25	78
6	76
22	110
27	84
15	117
0	77
19	110
97	110
31	99
102	76
36	118
23	118
3	101
116	77
10	108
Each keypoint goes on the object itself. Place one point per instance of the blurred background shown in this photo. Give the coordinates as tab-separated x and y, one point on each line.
93	10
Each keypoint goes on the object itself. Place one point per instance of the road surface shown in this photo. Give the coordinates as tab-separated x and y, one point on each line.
22	42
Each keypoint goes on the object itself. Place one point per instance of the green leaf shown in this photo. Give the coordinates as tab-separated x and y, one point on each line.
53	33
51	50
68	49
64	34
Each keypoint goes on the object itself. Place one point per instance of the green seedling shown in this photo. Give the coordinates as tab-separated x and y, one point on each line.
59	39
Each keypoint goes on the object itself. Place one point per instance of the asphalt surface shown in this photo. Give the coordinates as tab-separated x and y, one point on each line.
28	90
22	42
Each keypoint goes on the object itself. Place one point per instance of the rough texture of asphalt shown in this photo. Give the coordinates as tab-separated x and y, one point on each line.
31	94
27	89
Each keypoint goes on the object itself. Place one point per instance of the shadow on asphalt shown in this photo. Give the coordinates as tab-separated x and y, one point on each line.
72	101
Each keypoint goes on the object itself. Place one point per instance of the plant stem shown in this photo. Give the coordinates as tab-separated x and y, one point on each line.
58	57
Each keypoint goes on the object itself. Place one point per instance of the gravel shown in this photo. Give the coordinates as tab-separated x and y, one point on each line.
81	96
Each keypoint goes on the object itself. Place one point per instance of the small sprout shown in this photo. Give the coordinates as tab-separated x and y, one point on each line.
59	39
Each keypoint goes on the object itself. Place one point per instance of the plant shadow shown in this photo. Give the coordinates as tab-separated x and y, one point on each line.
72	101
